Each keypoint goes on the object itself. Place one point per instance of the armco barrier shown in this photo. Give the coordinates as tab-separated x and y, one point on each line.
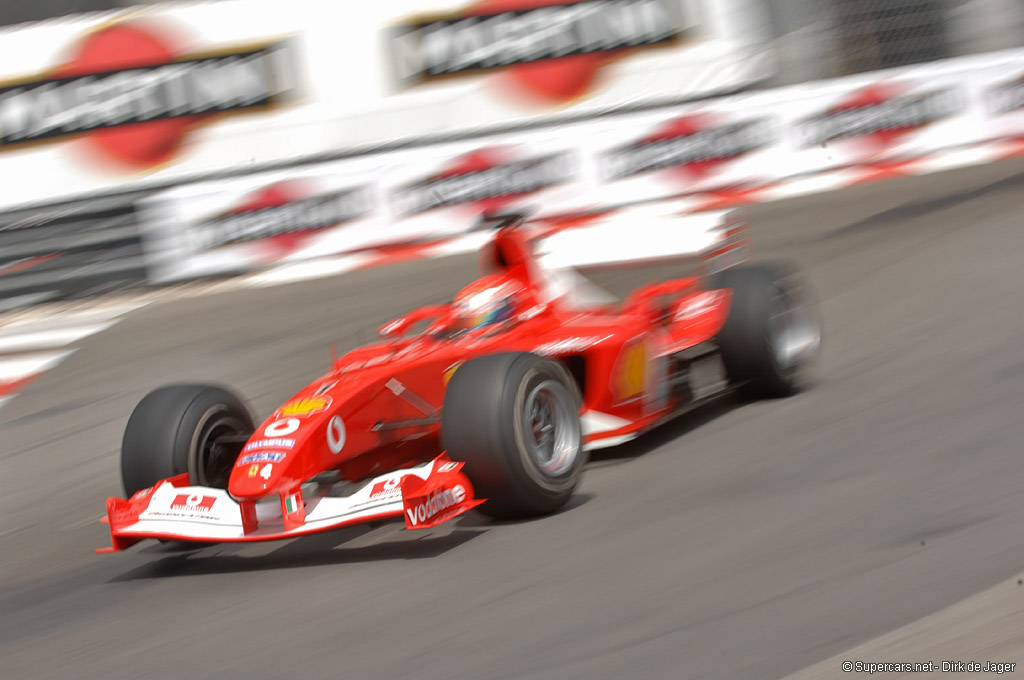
729	149
72	250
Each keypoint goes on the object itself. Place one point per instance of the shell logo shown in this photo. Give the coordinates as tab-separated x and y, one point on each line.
305	407
629	377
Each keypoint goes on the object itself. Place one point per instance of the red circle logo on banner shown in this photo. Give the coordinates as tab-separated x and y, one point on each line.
552	81
121	47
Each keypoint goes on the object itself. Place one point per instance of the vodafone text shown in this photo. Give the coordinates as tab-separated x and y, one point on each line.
435	504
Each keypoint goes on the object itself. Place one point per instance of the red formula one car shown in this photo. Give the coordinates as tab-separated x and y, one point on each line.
497	397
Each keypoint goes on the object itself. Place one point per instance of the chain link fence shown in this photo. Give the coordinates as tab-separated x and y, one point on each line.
873	34
817	39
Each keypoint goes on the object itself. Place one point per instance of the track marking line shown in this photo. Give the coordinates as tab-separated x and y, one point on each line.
24	366
24	340
46	339
304	271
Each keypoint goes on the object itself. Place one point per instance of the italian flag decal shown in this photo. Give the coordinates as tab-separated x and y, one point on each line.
294	510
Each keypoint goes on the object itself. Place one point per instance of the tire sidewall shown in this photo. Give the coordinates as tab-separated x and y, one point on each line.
535	374
789	290
748	339
479	428
164	429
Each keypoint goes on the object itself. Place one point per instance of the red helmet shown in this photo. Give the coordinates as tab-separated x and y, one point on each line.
487	301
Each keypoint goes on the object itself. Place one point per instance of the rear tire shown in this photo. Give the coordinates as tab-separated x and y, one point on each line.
513	419
174	429
772	333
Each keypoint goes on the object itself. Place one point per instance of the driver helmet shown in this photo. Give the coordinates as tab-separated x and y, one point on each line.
485	302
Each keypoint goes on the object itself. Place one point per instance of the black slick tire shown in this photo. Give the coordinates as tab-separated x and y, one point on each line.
772	332
501	412
174	430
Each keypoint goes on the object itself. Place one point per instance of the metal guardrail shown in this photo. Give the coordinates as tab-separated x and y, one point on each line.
72	250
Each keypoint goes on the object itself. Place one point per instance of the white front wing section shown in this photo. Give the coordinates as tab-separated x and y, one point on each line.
212	515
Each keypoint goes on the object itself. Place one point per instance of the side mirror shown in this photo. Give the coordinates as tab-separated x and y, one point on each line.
530	313
398	327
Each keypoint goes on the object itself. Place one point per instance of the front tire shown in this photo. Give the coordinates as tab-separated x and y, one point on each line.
772	333
175	429
513	419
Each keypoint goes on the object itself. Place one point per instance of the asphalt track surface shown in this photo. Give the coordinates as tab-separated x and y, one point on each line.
742	541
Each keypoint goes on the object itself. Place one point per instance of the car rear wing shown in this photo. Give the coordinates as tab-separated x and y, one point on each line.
648	234
731	245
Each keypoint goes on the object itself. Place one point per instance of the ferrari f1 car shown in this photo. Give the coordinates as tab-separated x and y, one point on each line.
498	395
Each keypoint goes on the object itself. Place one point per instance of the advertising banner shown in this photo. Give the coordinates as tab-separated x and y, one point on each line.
445	189
258	221
696	148
749	142
153	96
1001	99
884	116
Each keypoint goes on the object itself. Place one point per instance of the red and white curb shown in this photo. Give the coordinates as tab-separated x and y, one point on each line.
36	342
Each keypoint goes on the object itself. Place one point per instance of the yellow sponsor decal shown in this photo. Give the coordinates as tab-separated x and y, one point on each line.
629	379
304	407
253	469
450	371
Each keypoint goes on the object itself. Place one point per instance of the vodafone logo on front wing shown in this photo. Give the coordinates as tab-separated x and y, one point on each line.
436	503
548	51
134	91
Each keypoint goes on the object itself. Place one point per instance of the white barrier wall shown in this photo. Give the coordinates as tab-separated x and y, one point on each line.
148	97
731	143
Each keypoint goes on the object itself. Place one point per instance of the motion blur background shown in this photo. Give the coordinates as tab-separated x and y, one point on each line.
353	116
177	176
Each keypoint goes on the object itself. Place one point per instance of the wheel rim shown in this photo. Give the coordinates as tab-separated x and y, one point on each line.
210	463
794	334
552	434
